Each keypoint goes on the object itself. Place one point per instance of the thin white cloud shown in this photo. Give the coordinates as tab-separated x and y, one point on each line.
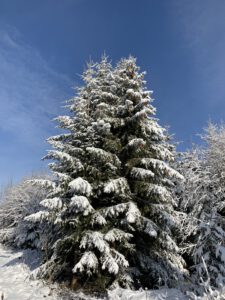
30	91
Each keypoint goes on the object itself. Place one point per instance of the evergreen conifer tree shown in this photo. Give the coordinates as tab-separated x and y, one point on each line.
110	204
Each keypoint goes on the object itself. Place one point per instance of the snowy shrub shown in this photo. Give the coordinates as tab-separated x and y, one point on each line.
19	201
201	197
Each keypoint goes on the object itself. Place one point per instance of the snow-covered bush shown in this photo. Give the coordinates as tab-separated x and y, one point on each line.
202	199
18	201
111	204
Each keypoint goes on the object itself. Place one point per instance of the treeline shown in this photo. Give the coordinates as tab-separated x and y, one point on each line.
122	207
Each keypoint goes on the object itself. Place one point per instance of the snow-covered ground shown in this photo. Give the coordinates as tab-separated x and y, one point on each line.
15	283
162	294
14	278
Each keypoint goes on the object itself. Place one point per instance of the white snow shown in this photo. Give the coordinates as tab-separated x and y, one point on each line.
49	184
15	283
137	142
81	186
81	204
133	213
109	263
14	279
37	217
97	218
161	294
52	203
142	173
88	260
118	186
116	234
162	167
94	239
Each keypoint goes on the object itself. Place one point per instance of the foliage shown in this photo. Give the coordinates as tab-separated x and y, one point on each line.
110	203
18	201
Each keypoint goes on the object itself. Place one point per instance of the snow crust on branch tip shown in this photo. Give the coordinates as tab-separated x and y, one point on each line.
141	173
45	183
162	167
94	239
98	219
119	186
37	217
81	204
88	263
160	191
52	203
103	155
116	234
137	142
133	213
80	186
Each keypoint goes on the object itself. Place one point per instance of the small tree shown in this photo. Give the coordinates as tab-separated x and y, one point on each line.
202	198
111	203
19	201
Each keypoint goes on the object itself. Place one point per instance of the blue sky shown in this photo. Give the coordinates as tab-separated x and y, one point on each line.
44	46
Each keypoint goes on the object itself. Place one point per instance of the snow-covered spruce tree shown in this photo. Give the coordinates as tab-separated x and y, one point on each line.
110	202
85	243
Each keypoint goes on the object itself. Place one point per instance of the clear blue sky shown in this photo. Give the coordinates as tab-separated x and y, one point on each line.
44	45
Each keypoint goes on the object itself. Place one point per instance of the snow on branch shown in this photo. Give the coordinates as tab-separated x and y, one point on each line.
120	259
116	234
80	186
155	129
115	210
161	166
109	263
150	227
160	191
118	186
64	157
52	203
168	242
88	264
136	143
133	213
37	217
58	138
65	121
80	204
162	152
94	239
134	95
62	176
98	219
45	183
59	155
103	155
141	173
102	127
113	262
144	102
142	114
